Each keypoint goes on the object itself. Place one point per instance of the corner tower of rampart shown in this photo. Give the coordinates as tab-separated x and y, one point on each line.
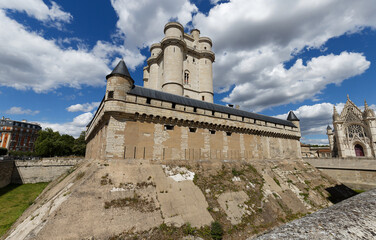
181	64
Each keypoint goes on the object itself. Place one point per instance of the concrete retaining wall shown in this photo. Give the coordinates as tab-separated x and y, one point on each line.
6	169
356	173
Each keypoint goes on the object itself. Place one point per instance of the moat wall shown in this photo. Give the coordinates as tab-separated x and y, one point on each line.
6	169
356	173
34	171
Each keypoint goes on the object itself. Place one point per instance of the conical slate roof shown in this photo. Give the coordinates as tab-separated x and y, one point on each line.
120	70
292	116
328	128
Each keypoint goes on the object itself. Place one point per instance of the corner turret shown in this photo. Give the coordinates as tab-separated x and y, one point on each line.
294	119
119	82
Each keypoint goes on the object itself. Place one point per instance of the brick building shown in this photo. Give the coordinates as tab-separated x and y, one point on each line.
18	135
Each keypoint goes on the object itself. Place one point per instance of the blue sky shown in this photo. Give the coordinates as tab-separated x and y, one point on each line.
271	56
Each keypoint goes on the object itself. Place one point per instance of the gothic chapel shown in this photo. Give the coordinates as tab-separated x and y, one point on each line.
354	133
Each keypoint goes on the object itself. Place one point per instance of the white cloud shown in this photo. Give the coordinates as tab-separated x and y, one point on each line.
39	10
315	118
252	40
277	85
27	60
21	111
73	128
142	22
105	50
86	107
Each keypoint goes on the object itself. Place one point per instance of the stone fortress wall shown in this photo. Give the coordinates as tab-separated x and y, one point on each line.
162	131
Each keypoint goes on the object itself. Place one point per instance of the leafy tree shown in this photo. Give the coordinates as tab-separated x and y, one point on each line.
79	146
50	144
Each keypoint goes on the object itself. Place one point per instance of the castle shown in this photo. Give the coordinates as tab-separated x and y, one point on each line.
354	132
173	116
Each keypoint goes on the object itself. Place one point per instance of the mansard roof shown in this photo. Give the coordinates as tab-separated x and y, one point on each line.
154	94
120	70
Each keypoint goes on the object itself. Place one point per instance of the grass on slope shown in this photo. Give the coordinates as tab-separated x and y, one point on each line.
14	200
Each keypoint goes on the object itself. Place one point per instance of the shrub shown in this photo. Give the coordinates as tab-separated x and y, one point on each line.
216	230
188	229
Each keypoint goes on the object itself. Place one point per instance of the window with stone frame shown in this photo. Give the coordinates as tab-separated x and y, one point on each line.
356	131
186	77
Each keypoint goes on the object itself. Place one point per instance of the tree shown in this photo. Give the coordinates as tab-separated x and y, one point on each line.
79	147
50	144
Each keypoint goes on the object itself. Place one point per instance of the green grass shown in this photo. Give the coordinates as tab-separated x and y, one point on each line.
14	200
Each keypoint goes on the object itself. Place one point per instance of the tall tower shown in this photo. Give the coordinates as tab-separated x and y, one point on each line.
181	64
173	48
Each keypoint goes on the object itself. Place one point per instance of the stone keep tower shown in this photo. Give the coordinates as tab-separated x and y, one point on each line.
354	132
181	64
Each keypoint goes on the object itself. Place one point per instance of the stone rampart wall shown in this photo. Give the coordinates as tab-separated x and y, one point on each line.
356	173
46	170
138	129
6	169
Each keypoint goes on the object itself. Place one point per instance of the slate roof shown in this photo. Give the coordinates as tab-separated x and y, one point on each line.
120	70
292	116
154	94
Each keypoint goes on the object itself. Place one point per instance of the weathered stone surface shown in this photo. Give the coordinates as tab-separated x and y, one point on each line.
354	218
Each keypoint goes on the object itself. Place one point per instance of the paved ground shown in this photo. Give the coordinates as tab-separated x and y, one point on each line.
354	218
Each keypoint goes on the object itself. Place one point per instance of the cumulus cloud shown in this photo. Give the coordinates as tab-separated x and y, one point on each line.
142	22
315	118
21	111
29	61
73	128
277	85
86	107
39	10
252	40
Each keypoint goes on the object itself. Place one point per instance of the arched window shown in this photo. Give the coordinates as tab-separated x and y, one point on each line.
186	77
355	131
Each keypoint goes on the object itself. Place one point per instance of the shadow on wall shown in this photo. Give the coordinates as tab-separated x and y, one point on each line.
339	193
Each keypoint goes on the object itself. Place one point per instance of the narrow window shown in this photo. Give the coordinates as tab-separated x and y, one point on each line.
186	77
203	98
194	60
243	119
110	94
168	127
204	47
212	131
228	133
229	116
148	100
173	105
192	129
213	113
174	49
195	109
